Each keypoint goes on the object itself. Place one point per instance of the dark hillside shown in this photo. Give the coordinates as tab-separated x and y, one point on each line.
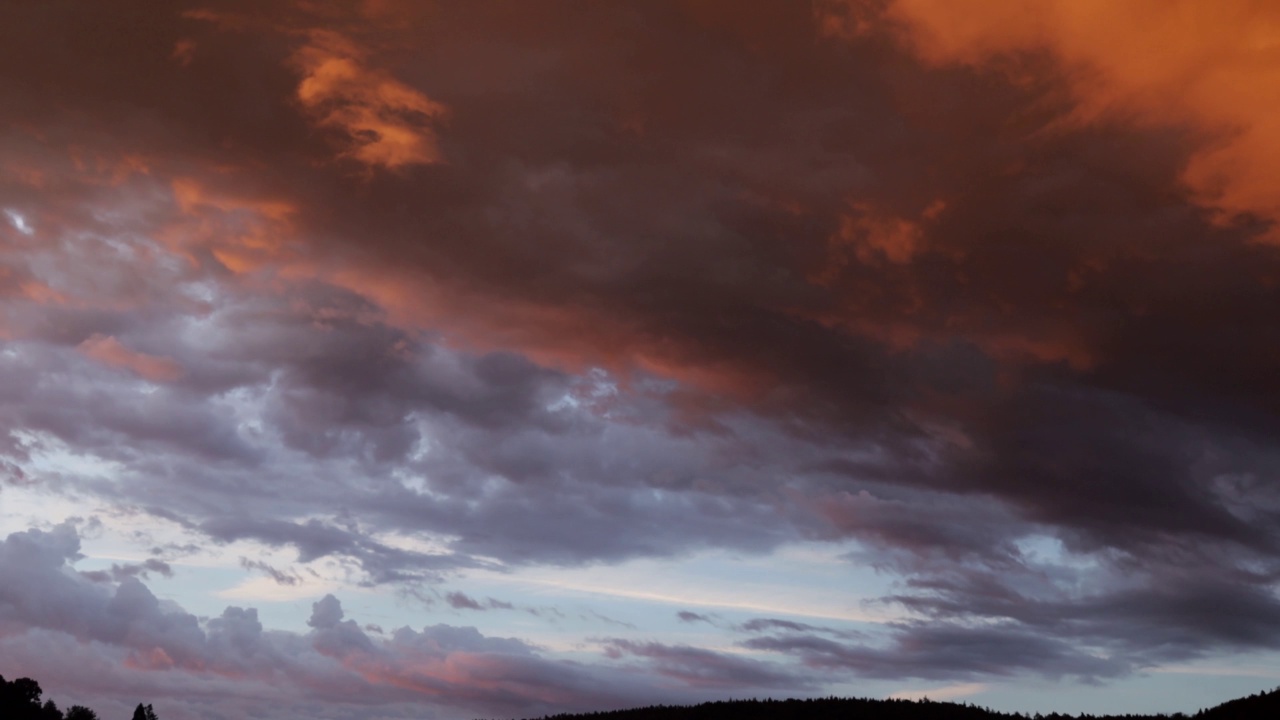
1261	705
1255	707
820	709
20	699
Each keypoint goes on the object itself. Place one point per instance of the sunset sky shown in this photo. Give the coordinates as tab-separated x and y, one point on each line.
458	359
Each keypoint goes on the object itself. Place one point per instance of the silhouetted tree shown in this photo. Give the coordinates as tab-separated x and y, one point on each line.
22	691
20	699
80	712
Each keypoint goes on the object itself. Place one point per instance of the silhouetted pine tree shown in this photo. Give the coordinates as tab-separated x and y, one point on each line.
1258	705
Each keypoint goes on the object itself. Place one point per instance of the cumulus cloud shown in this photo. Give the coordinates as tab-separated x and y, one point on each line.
142	643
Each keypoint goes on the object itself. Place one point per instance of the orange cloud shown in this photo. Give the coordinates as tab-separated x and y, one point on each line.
243	233
1213	66
875	236
106	349
386	121
40	292
192	196
184	51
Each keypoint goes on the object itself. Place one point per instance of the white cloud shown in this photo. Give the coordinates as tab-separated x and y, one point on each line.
19	222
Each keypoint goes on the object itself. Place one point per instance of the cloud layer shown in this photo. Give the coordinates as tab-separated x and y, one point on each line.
412	291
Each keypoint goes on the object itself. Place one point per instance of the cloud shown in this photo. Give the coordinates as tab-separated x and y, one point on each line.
985	297
462	601
690	617
938	652
762	625
138	643
108	350
1154	64
697	667
278	576
387	123
119	572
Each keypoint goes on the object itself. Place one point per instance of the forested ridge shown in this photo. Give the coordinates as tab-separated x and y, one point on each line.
21	699
1258	705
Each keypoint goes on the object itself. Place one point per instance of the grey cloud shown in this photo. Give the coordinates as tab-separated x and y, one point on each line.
135	642
1171	615
697	667
119	572
608	620
281	577
763	625
566	448
689	617
462	601
940	651
326	612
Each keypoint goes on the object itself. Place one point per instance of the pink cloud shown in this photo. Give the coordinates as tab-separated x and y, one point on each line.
106	349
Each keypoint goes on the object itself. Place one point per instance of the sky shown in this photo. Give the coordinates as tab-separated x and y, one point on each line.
410	359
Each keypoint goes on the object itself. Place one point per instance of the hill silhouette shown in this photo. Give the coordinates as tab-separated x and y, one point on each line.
20	700
1258	706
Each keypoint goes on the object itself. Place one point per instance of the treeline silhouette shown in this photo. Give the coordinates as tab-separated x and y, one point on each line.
20	700
1258	705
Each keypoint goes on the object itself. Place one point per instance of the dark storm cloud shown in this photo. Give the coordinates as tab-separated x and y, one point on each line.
393	409
650	279
1159	613
1005	244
